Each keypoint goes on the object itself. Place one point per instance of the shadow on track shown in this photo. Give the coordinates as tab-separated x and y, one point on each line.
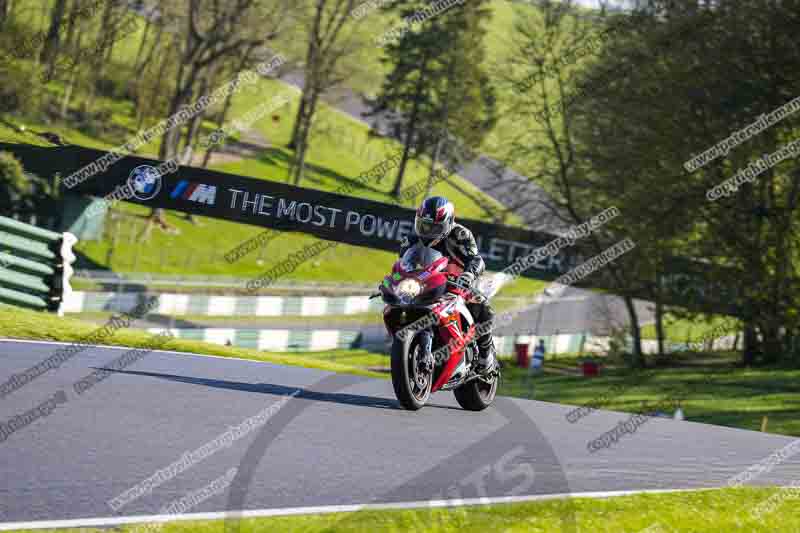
278	390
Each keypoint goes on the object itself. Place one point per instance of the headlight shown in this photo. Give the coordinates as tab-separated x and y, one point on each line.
408	289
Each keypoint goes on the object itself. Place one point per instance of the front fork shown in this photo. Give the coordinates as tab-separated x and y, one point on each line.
426	349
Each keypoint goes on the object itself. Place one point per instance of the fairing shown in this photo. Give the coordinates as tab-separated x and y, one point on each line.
430	268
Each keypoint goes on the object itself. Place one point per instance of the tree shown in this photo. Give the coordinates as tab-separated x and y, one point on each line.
212	33
332	36
544	75
53	38
646	106
115	22
147	89
465	104
436	82
4	9
84	46
226	106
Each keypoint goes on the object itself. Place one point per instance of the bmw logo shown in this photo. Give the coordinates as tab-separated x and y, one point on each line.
145	181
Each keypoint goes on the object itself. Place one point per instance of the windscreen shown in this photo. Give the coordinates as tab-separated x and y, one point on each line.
419	257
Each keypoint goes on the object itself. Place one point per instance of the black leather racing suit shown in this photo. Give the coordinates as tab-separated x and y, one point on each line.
460	246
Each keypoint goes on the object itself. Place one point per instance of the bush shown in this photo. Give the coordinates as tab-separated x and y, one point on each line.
22	193
18	50
13	183
16	94
115	84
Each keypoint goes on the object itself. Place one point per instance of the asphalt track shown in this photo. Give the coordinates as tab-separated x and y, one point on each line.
576	311
339	440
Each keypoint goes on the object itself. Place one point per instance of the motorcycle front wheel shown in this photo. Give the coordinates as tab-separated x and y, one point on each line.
412	385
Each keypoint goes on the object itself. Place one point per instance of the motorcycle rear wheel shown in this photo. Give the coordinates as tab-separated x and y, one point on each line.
409	393
476	395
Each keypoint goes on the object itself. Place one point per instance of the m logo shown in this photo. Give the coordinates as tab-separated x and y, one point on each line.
195	192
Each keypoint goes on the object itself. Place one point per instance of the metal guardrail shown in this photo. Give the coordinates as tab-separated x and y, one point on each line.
35	265
114	286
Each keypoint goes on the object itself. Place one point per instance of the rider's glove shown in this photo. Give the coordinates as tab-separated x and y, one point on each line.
466	279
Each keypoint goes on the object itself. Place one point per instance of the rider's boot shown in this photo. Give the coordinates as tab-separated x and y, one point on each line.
487	355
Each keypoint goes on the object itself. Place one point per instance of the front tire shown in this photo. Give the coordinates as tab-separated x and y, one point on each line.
476	395
409	392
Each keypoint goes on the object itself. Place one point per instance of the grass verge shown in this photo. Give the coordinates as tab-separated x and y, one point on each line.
19	323
729	510
695	330
734	396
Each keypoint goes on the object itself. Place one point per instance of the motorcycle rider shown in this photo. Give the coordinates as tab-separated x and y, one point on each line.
435	227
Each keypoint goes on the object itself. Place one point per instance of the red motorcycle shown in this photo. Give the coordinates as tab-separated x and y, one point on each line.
433	332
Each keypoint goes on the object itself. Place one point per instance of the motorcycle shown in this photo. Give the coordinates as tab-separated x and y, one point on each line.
433	333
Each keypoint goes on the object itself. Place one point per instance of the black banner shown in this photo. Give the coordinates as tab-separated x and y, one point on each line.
328	215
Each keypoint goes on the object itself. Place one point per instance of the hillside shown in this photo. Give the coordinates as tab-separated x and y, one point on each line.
341	150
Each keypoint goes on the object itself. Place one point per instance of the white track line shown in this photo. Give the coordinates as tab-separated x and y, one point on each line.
323	509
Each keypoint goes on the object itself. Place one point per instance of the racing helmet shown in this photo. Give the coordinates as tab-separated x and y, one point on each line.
434	220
